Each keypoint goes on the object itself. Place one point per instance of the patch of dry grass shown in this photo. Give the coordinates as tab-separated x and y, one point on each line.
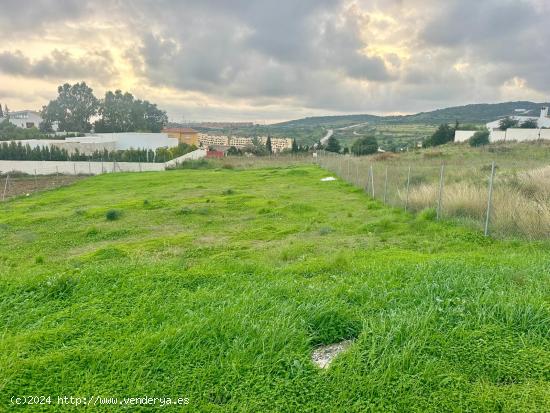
521	204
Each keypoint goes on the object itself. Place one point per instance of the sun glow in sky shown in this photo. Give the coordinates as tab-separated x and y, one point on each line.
267	61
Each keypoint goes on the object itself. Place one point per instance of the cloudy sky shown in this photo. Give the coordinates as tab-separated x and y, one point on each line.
267	60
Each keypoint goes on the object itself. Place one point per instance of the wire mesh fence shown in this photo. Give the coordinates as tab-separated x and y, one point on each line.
502	199
25	177
19	178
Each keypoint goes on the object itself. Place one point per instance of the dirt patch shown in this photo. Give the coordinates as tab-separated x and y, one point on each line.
22	185
324	355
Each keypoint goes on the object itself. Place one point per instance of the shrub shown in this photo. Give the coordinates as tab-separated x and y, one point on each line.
365	146
441	136
427	214
385	156
479	138
112	215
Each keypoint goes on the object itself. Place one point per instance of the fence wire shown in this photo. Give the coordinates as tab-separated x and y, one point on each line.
510	201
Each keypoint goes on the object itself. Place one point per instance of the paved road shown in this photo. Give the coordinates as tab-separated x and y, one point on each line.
354	126
325	139
330	132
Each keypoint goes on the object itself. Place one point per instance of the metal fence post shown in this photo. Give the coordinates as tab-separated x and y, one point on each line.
490	199
35	181
386	185
368	182
5	187
74	167
357	174
439	196
408	186
349	173
372	181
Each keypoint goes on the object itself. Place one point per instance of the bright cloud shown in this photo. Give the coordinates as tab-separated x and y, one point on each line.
265	60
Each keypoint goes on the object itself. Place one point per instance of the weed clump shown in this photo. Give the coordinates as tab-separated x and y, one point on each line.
427	214
113	215
228	192
328	326
39	259
325	230
92	232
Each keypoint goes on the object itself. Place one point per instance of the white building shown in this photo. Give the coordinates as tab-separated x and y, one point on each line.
24	119
514	134
543	121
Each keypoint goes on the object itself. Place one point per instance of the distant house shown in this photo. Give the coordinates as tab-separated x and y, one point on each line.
24	119
183	135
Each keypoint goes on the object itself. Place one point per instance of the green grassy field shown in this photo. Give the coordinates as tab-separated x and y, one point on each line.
217	285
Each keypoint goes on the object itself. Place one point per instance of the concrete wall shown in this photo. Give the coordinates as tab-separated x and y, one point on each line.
198	154
497	136
88	168
463	135
520	135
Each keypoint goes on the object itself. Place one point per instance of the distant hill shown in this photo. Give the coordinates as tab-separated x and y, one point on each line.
476	113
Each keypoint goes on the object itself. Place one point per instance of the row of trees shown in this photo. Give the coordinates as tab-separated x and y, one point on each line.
509	122
365	145
20	152
76	106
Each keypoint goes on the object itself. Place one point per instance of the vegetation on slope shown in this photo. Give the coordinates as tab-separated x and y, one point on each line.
217	285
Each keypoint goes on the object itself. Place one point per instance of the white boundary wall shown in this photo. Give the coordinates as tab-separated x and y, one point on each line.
512	134
72	168
463	135
198	154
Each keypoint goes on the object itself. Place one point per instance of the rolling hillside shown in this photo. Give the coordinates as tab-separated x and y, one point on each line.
475	113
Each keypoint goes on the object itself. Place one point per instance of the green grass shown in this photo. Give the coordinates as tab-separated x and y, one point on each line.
219	287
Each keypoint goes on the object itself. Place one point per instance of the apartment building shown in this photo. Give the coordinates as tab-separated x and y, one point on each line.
240	142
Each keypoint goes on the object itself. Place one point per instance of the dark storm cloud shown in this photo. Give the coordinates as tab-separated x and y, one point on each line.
512	36
260	49
311	53
58	65
29	18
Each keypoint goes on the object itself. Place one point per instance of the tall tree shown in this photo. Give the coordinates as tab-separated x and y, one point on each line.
507	123
333	145
268	146
365	146
73	108
294	145
530	124
1	111
120	112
